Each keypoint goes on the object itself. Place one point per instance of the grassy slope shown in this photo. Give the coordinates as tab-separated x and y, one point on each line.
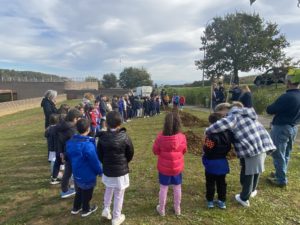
27	198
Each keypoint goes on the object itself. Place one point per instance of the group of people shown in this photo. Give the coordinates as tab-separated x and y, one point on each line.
108	155
241	94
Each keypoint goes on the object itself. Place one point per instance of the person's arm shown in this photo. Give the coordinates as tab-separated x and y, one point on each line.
221	125
129	152
278	106
100	151
184	144
155	147
93	158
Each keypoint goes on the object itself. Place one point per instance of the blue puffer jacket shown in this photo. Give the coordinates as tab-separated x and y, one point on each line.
81	151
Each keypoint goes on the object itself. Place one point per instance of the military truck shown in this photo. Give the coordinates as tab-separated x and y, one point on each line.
274	75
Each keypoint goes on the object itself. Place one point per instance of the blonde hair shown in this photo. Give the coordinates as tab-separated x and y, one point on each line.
222	106
246	88
237	104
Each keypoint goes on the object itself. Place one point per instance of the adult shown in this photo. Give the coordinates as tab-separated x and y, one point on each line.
251	142
214	96
48	104
235	92
220	94
246	97
286	111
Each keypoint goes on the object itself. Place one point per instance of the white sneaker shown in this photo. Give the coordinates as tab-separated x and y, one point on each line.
118	220
253	194
160	212
243	203
106	213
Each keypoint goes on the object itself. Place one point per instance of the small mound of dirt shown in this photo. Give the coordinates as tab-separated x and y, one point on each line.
194	142
189	120
231	154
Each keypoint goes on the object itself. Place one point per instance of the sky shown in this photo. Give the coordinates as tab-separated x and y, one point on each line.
93	37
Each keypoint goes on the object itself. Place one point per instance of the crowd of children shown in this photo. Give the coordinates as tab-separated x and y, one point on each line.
89	141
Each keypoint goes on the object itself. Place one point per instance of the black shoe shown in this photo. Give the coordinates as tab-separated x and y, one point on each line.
274	182
75	211
55	180
87	213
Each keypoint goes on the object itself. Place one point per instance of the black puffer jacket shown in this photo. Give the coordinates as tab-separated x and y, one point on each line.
51	136
49	108
115	151
64	130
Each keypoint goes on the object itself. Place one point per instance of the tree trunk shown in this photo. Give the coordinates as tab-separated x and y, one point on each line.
236	79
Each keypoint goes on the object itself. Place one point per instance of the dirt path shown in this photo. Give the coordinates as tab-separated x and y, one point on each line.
264	119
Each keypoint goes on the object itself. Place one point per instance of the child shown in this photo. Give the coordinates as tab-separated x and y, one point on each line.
115	151
215	148
170	147
81	151
181	102
65	130
251	142
51	142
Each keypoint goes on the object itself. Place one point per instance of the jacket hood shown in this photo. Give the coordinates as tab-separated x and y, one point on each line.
244	112
171	143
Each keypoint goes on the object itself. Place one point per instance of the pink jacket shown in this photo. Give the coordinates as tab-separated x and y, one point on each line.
170	151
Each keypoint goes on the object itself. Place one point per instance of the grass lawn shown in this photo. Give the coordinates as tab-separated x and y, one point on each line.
26	197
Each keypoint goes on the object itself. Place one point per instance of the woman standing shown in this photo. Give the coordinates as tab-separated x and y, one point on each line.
48	104
246	97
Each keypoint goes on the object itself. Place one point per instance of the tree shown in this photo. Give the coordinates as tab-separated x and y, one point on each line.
109	80
134	77
240	42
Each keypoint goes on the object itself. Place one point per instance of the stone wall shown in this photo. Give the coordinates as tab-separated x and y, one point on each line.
7	108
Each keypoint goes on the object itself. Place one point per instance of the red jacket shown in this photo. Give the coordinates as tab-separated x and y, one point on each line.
182	100
170	151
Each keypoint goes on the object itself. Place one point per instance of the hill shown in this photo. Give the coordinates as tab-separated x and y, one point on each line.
13	75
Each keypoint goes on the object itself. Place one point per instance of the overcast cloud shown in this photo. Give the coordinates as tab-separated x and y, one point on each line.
93	37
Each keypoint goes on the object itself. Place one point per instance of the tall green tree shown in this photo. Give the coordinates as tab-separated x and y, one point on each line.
133	77
240	42
109	80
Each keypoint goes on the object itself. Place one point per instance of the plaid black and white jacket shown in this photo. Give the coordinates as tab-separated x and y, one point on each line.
250	137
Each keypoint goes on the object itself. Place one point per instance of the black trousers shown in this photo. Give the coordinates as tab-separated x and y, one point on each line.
249	182
212	181
82	199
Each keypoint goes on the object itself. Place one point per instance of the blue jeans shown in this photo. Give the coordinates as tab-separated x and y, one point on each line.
283	137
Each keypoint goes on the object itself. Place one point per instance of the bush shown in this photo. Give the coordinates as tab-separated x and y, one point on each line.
262	97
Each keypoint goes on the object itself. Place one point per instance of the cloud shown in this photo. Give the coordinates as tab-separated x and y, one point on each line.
98	36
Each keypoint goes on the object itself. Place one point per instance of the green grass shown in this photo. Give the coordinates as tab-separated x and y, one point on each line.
26	197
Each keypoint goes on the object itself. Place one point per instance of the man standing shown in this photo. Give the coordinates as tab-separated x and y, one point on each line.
286	111
235	92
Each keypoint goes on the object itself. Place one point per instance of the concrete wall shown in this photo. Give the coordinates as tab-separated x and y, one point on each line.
71	85
27	90
7	108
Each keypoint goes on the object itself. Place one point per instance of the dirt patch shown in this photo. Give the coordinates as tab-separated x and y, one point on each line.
189	120
195	145
194	142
